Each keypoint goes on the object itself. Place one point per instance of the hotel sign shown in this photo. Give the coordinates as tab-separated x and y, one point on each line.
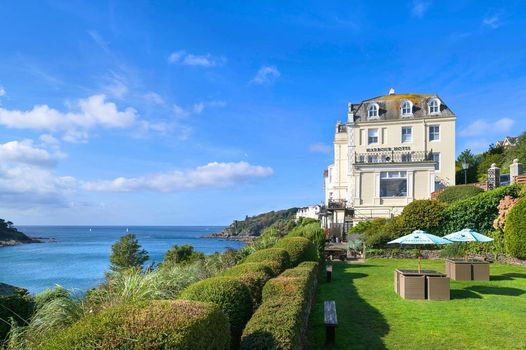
388	149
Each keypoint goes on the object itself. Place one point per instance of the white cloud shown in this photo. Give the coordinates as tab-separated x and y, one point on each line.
2	91
420	7
493	21
320	148
90	112
154	98
116	87
24	152
211	175
189	59
27	186
483	127
266	75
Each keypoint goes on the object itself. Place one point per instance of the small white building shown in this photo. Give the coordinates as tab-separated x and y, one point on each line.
311	212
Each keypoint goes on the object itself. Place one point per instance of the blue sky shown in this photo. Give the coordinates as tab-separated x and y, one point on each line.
181	112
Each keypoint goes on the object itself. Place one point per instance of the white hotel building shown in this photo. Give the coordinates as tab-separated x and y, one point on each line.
392	150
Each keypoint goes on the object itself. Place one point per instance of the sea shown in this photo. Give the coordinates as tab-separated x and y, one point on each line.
79	255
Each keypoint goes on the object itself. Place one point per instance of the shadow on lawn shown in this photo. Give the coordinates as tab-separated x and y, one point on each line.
360	326
497	290
508	276
464	294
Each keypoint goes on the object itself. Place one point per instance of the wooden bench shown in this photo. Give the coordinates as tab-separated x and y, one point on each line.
330	320
328	269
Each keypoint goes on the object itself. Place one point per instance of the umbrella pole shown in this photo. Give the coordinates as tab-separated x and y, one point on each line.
419	261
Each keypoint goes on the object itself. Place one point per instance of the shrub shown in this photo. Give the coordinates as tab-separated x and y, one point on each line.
515	230
281	321
456	193
18	305
253	275
424	214
278	255
313	232
160	324
232	296
300	249
477	212
375	233
181	255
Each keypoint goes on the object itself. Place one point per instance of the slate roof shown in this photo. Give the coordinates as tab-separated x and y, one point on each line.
389	107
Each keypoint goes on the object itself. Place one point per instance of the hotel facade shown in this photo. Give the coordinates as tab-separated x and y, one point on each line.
392	150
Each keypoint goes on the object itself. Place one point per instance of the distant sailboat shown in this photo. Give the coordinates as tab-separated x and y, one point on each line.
126	230
90	230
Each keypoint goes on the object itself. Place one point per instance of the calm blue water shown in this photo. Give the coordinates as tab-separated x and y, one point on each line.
79	258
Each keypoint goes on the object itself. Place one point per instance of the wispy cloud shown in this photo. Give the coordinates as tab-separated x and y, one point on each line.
2	91
211	175
196	108
492	21
188	59
266	75
483	127
116	86
154	98
420	7
320	148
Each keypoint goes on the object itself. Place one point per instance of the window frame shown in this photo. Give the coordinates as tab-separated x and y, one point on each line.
402	134
437	165
370	108
369	136
429	106
389	175
402	108
429	133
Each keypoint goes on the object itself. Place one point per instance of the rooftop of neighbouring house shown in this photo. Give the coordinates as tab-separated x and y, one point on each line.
400	106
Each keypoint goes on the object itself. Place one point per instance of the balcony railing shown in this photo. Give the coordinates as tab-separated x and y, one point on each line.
393	157
337	204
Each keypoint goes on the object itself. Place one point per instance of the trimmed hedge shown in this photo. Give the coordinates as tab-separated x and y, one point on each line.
515	230
456	193
313	232
300	249
277	255
477	212
231	295
19	305
160	324
281	321
253	275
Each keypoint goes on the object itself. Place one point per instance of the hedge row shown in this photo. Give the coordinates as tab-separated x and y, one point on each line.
300	249
231	295
253	275
515	230
456	193
277	255
477	212
281	320
161	324
313	232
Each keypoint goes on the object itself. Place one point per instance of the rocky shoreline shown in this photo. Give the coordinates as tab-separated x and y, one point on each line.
12	242
222	235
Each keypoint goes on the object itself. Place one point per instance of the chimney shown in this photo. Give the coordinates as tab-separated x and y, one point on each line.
391	91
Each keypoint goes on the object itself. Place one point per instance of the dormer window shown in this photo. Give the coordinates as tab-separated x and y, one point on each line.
434	106
406	108
372	111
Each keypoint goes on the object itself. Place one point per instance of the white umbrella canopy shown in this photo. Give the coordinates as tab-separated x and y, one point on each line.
467	235
420	237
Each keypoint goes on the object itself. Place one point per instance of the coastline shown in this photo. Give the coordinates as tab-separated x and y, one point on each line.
13	242
221	235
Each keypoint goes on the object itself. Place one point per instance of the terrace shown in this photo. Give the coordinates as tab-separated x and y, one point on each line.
393	156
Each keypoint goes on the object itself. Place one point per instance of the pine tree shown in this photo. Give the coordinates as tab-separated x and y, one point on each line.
127	253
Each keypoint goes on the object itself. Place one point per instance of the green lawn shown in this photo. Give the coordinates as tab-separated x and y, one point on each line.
480	315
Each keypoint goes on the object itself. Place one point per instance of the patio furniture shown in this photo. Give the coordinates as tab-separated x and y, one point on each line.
330	320
414	284
467	270
438	288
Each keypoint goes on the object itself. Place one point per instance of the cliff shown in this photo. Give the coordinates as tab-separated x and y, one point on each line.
9	235
254	225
